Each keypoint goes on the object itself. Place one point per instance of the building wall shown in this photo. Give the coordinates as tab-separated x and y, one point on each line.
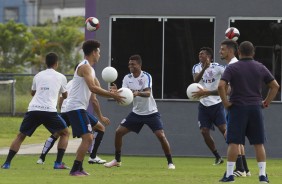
18	4
180	118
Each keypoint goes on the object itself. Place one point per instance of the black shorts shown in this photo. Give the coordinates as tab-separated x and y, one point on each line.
209	116
245	121
81	122
135	122
51	120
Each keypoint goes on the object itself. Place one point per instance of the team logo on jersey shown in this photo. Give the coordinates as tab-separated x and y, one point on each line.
140	82
89	127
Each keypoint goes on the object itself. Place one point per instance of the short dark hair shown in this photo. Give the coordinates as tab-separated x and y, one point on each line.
246	48
208	50
51	59
231	44
137	58
89	46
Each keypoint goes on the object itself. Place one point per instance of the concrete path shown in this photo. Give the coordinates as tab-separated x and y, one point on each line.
37	148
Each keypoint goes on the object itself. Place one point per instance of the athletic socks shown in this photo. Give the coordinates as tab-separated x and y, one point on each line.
47	146
117	156
239	164
60	155
169	158
245	163
10	156
216	154
98	140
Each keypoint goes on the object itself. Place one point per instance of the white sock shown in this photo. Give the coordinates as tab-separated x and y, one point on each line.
262	167
230	168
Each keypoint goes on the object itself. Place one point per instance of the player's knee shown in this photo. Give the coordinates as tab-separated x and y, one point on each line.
205	132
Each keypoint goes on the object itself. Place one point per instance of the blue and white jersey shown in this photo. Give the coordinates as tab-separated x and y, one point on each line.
210	80
141	105
48	84
79	94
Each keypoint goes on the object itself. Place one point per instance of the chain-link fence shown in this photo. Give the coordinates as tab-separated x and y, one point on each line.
15	93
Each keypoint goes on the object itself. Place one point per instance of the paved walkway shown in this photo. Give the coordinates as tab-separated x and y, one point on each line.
37	148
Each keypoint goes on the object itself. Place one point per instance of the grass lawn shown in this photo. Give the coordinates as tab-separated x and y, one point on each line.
137	170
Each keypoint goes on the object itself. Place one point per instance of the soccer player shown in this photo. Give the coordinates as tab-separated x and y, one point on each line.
228	50
246	78
98	128
211	111
46	87
144	111
83	85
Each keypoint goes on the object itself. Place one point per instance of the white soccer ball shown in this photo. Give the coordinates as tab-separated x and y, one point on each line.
109	74
92	24
127	93
194	87
232	33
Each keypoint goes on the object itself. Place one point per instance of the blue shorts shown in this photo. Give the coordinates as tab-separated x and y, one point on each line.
51	120
65	117
245	121
81	122
209	116
135	122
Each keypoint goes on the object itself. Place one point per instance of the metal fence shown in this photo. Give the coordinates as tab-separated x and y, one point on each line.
15	93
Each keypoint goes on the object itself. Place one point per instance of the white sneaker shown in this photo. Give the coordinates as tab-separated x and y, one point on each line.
248	173
96	160
40	161
171	166
112	164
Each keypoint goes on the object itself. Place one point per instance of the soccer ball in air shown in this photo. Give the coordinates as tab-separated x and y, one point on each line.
109	74
194	87
232	33
92	24
127	93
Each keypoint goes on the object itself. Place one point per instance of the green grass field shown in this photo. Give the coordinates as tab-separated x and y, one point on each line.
135	169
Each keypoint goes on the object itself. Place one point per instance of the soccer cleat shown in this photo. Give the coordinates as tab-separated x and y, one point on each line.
218	161
6	165
227	179
85	173
78	173
96	160
248	173
112	164
171	166
40	161
60	165
238	173
263	179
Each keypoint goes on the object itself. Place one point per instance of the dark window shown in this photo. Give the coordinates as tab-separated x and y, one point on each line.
11	13
169	48
266	35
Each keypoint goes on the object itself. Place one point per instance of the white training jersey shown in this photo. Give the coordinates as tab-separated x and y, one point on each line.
233	60
64	104
210	80
48	84
79	94
141	105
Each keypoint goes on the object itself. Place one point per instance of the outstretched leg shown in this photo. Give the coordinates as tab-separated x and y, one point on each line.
166	147
14	148
120	132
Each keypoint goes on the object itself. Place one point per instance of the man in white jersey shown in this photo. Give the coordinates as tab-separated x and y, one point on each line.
228	50
83	85
98	128
46	87
144	111
211	110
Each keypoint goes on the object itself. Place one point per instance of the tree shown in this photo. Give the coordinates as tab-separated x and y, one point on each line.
15	47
